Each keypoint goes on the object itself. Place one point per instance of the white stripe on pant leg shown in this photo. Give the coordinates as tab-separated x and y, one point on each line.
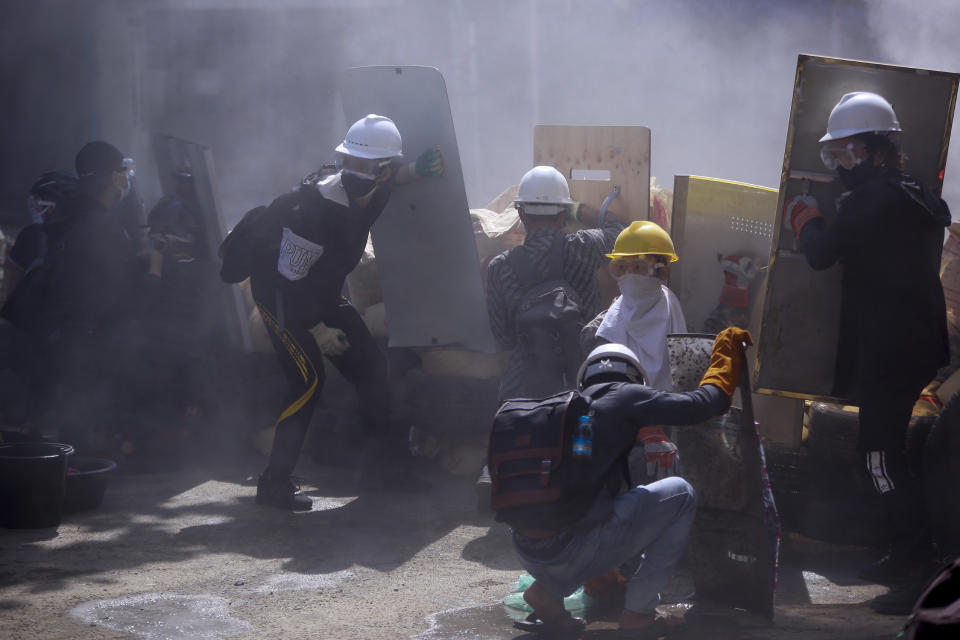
877	463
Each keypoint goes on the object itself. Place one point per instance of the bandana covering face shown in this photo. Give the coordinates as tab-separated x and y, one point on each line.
641	318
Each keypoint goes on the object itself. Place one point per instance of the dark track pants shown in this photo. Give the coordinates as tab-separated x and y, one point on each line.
363	365
884	419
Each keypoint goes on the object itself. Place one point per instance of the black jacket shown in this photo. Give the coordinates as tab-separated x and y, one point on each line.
888	234
340	231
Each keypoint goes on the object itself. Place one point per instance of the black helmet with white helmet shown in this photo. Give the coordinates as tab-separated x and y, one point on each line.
610	359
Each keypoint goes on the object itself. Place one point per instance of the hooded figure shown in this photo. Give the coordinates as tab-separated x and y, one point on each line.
888	235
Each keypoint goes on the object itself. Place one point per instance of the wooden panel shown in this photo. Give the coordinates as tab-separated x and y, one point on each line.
797	344
623	151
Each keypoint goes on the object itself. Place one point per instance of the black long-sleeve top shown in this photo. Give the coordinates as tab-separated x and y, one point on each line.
888	234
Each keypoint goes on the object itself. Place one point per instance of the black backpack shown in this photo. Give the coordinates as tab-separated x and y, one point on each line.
936	615
536	482
238	249
548	321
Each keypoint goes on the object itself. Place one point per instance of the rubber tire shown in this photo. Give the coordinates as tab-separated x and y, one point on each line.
843	507
940	478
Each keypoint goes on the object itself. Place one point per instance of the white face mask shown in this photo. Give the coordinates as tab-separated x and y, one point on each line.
634	286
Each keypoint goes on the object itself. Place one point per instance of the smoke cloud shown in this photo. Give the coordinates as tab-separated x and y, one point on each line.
257	81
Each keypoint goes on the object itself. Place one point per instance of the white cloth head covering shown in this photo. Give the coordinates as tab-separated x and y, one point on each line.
641	318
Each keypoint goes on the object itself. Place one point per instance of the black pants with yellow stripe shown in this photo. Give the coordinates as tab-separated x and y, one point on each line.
362	365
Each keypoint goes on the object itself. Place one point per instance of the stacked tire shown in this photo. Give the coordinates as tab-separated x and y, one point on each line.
940	478
842	506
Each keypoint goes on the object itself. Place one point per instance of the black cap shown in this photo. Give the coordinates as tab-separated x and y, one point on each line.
98	158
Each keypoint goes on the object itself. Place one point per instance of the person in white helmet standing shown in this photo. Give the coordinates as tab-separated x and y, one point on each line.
297	253
545	352
888	234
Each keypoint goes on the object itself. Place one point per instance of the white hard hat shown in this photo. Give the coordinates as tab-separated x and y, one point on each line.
372	137
543	191
860	112
611	358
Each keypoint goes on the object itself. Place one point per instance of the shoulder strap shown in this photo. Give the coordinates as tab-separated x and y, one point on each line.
526	270
623	461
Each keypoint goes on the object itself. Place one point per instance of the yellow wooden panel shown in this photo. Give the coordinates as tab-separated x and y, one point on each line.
624	151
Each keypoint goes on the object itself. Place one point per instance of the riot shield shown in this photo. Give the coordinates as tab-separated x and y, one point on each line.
722	231
797	344
179	159
424	241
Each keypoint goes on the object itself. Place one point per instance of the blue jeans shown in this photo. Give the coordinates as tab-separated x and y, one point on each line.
648	525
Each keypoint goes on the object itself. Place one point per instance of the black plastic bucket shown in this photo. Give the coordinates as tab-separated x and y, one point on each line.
32	483
87	480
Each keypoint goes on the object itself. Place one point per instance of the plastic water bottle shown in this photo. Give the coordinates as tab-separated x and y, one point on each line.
583	438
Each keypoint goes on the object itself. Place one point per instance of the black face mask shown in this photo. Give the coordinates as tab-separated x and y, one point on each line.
863	172
355	186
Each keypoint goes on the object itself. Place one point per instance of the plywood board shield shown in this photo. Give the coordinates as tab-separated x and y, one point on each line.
174	154
722	231
799	331
605	156
424	240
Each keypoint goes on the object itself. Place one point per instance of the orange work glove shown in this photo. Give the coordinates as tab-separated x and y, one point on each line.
726	361
663	459
596	587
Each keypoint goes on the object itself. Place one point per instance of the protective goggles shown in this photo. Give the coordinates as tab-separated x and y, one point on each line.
129	167
39	208
642	264
368	168
841	154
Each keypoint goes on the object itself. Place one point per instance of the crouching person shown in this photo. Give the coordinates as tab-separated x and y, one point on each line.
558	467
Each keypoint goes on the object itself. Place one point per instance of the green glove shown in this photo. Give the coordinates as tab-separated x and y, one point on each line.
429	163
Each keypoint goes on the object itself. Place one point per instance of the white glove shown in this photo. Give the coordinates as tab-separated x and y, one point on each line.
330	340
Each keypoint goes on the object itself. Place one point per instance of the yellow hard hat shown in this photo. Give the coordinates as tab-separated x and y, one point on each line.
643	238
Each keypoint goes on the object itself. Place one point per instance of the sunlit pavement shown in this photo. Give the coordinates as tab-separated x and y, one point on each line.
189	555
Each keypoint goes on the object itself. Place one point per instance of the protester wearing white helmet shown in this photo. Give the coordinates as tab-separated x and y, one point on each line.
547	255
887	233
543	338
297	253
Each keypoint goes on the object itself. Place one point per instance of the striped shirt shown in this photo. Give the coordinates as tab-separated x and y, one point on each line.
583	254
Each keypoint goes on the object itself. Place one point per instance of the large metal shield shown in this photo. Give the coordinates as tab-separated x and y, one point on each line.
173	155
424	240
800	327
723	231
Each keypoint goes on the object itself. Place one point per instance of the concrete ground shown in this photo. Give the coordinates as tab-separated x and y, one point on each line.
189	555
